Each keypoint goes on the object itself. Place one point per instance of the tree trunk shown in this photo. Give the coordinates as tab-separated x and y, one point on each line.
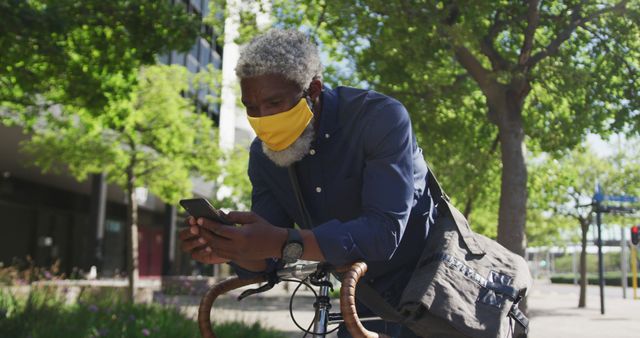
582	302
513	192
132	236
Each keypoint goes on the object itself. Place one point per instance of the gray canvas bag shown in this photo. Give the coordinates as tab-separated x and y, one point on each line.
464	284
466	279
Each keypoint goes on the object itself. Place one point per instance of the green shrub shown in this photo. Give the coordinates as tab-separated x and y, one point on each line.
611	262
43	314
24	271
610	278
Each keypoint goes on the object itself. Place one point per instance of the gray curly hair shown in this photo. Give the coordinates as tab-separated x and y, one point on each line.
285	52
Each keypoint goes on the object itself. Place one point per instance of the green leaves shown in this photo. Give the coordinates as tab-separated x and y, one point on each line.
235	177
73	74
561	189
153	130
61	51
563	69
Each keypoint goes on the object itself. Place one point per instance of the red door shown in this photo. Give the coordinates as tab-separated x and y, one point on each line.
150	251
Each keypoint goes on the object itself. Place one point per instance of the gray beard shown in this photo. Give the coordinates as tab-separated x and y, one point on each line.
295	152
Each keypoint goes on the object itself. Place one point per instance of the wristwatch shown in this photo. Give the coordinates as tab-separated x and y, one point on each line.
293	247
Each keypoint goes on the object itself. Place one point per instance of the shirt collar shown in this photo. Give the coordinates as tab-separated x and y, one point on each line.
329	116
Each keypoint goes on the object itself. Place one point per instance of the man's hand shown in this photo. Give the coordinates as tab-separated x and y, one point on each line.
255	239
193	243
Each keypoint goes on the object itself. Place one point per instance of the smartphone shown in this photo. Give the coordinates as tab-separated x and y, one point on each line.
200	207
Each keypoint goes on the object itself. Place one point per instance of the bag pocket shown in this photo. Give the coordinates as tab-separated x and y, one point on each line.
472	293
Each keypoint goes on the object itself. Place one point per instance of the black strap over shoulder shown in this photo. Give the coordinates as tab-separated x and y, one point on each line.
434	186
307	223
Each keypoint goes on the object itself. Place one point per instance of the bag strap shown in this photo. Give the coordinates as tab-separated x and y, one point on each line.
372	299
465	231
306	218
434	186
461	222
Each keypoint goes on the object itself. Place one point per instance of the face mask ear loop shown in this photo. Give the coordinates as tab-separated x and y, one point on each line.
306	95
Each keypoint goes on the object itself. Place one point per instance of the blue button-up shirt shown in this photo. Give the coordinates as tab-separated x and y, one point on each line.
363	183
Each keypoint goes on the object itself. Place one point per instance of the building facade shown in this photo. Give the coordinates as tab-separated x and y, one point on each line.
48	218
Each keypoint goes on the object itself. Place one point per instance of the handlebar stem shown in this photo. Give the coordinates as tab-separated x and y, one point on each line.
323	306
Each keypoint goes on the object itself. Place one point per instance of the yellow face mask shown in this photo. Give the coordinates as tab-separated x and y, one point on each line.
280	130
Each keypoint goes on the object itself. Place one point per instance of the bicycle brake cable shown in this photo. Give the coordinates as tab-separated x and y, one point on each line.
293	294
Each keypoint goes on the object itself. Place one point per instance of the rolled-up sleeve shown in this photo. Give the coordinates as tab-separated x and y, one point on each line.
387	193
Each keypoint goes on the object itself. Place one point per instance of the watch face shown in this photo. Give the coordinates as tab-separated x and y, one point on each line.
292	252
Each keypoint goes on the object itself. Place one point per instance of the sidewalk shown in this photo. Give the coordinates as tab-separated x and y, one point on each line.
552	309
554	313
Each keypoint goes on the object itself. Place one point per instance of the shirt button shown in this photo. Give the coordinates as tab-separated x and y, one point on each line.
327	135
318	189
312	152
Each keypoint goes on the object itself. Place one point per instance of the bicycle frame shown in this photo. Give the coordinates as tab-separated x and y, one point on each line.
323	317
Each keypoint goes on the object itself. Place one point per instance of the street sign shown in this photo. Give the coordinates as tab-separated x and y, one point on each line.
621	198
599	197
613	209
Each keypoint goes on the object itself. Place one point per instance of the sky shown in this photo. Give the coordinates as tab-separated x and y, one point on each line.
605	147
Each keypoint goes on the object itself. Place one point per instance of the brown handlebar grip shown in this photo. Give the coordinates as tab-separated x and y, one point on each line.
204	312
348	302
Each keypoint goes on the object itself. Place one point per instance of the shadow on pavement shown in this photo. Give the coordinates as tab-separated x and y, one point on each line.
533	313
257	303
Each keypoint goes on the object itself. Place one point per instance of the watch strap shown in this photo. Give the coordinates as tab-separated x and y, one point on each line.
293	236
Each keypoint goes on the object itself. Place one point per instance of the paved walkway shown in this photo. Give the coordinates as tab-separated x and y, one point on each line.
553	311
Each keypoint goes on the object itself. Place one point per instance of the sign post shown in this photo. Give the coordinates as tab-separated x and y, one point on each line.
624	266
600	258
634	260
634	271
598	198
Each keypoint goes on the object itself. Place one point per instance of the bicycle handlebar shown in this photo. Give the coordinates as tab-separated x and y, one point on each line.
348	302
297	271
352	275
204	311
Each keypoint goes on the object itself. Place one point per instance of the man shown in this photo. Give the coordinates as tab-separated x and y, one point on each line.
362	177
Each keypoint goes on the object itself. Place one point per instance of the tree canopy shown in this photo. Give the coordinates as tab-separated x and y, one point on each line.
565	189
83	52
155	130
80	78
150	138
482	79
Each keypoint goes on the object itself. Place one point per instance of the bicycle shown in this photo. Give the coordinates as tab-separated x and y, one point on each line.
318	275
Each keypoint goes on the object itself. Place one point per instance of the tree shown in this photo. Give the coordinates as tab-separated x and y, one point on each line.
152	138
61	51
236	179
569	184
475	73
